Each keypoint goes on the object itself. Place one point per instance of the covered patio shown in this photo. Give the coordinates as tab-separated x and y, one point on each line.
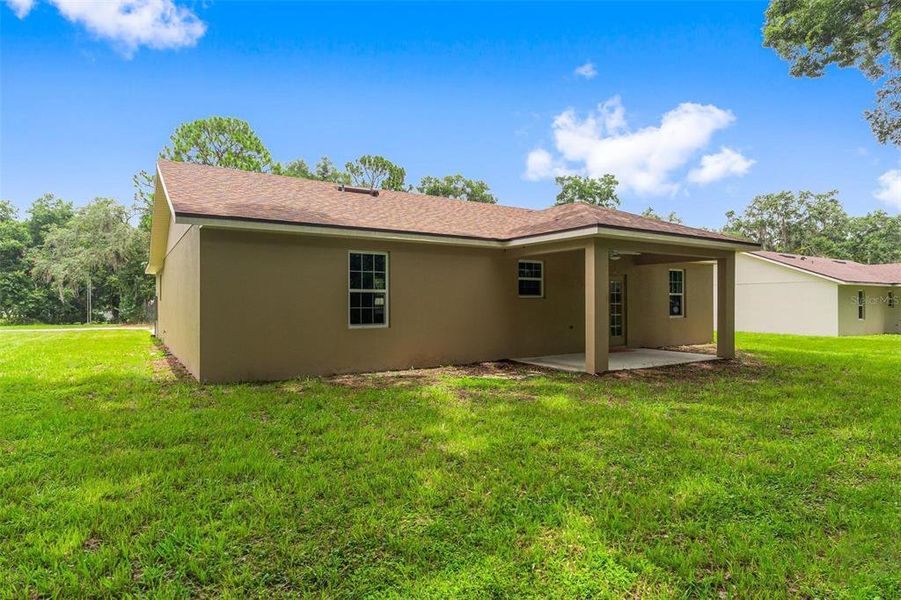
630	295
626	359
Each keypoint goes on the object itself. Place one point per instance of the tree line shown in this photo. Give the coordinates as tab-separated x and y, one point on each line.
58	261
59	264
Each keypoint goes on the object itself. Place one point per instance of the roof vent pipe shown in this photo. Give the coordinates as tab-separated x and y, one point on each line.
357	190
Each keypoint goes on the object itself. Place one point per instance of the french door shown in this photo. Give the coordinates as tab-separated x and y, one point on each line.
618	310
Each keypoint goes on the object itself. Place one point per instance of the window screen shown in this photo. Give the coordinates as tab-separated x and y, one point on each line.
368	289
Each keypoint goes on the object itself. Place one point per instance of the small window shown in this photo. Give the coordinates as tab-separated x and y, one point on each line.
676	293
891	300
531	279
861	305
368	289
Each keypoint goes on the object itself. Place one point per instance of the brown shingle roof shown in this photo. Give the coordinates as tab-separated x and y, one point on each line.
844	270
214	192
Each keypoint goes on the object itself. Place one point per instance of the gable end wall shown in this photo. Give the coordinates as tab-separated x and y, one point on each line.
770	298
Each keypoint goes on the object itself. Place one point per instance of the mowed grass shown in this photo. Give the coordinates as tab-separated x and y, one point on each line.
6	327
777	475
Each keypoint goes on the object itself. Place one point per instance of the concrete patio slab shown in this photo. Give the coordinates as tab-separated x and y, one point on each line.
638	358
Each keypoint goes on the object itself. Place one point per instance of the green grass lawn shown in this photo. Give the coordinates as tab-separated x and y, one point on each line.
6	326
778	475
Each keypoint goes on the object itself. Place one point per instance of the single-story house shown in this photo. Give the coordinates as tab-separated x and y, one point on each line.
808	295
264	277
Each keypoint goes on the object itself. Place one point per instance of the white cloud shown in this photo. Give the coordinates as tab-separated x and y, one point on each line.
20	7
541	165
588	71
644	161
890	188
725	163
129	24
614	115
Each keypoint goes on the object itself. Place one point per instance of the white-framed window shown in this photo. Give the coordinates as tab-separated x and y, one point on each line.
892	301
530	279
676	293
367	289
861	305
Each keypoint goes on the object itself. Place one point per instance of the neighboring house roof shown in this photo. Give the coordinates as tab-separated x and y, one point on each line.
844	271
199	191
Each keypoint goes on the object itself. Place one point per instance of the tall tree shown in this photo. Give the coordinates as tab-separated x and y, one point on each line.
294	168
824	226
598	191
458	187
45	213
817	225
75	256
219	141
8	212
145	186
865	34
132	287
15	291
326	170
772	220
323	170
874	238
376	172
650	213
803	223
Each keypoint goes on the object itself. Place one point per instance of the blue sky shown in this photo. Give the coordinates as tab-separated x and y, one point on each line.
681	101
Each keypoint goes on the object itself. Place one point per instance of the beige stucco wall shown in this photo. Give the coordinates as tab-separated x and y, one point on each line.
176	232
178	297
647	304
554	324
771	298
879	317
274	306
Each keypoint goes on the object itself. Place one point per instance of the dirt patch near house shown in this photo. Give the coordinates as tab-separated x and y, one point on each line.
166	367
743	366
503	369
699	349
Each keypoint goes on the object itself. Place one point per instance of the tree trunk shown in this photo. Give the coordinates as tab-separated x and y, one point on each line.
89	302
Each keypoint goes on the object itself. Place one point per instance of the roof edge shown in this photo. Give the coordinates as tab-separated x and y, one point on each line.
820	275
249	223
159	227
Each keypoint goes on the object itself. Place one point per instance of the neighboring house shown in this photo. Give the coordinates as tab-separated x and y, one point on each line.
264	277
808	295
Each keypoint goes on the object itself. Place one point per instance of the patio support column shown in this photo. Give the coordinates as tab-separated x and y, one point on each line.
597	307
725	306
